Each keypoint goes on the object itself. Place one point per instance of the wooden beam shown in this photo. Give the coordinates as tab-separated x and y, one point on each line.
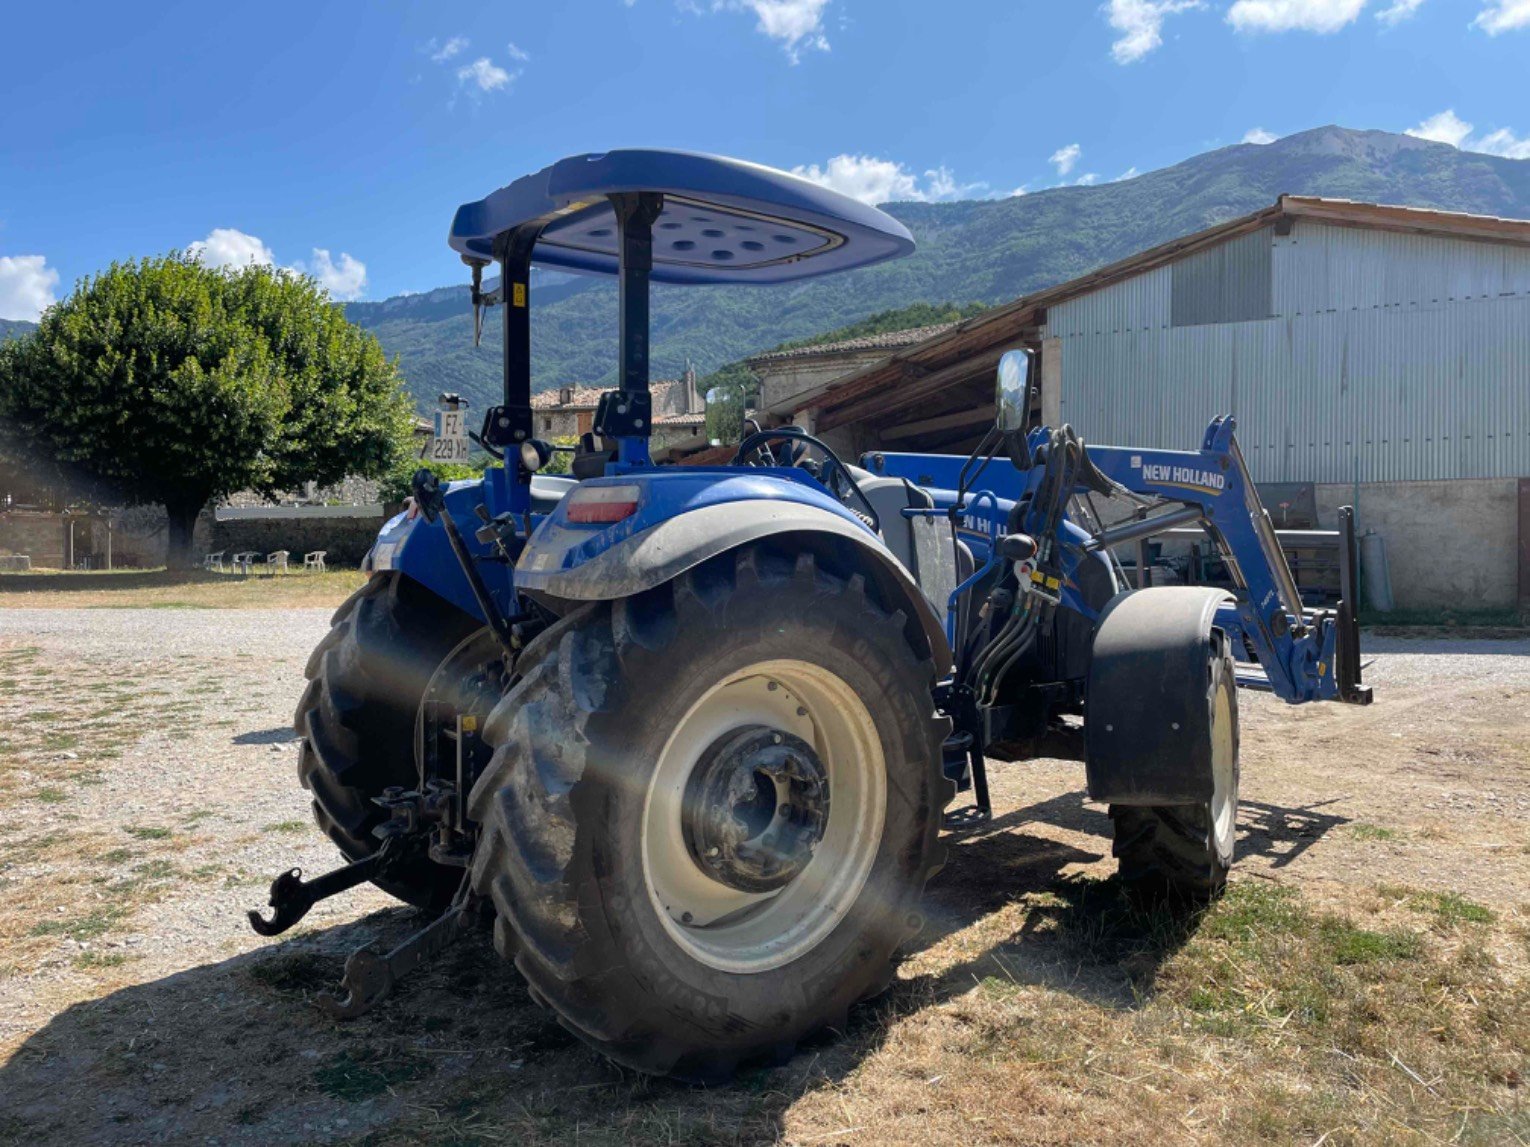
973	416
899	396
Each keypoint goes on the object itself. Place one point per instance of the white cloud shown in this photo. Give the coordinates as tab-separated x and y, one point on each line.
1398	11
1129	173
1140	24
1088	180
1259	135
1502	142
26	286
1065	159
1322	16
517	53
345	278
446	51
1503	16
228	247
1447	127
484	74
797	24
873	180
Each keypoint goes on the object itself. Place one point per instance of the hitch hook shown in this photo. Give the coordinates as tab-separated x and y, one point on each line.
292	897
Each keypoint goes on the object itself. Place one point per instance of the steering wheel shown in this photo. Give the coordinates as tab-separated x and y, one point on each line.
794	448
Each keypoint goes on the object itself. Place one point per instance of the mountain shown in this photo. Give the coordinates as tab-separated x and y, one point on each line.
968	252
15	328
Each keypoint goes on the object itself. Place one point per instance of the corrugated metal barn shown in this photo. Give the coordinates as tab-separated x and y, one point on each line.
1379	354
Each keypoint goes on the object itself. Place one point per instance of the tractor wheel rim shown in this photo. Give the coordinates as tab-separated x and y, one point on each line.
706	912
1224	778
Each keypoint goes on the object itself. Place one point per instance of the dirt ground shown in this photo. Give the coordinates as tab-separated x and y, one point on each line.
1364	980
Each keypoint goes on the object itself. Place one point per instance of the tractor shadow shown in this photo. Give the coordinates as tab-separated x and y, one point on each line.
237	1050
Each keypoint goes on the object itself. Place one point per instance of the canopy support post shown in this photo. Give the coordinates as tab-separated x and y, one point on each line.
627	415
514	418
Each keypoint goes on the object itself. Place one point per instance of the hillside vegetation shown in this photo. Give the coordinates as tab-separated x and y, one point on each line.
987	251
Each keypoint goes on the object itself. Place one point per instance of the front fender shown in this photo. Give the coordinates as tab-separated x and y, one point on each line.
667	549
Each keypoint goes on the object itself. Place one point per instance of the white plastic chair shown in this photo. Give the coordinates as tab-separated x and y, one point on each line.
214	561
314	561
277	563
244	561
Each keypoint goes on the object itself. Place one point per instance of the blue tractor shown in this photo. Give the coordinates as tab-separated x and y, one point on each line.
687	735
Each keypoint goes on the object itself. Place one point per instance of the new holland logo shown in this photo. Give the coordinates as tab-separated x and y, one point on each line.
1184	476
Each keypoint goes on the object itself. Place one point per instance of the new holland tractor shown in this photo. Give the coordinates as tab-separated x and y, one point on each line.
687	735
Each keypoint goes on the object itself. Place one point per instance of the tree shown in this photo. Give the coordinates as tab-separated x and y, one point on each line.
168	382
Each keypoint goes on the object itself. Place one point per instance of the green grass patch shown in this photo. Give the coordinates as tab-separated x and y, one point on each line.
86	927
59	742
352	1077
93	959
286	826
147	832
1451	908
50	796
1361	831
1347	944
297	973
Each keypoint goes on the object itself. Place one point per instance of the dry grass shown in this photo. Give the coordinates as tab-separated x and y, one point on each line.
164	589
1363	981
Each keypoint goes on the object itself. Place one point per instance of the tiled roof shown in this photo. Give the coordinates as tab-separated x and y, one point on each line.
587	397
583	398
888	340
694	419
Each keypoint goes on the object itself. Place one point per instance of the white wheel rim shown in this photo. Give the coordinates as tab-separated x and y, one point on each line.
738	931
1224	780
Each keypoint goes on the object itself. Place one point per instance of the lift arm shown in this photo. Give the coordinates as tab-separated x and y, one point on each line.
1305	655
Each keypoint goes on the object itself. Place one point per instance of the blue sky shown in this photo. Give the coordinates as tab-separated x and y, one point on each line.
340	137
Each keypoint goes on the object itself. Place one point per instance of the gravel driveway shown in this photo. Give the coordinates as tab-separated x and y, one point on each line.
148	774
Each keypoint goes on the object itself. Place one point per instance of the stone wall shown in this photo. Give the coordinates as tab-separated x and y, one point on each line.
135	538
1449	543
345	539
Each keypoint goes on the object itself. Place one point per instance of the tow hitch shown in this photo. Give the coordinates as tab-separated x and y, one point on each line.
292	897
371	974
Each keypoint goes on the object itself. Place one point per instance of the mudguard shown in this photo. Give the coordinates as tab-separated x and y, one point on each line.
1147	712
667	549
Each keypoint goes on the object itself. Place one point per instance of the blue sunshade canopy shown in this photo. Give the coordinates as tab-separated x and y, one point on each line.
724	220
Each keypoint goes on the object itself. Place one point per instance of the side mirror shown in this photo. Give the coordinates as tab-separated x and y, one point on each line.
1013	396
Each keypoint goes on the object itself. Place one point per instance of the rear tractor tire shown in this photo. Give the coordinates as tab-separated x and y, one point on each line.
357	718
1186	851
711	812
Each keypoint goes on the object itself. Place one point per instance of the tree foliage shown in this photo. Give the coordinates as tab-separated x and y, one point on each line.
164	381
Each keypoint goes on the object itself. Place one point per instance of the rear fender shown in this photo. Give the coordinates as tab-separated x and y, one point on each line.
667	549
1147	717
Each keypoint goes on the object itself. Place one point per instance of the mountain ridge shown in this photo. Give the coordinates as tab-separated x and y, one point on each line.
969	251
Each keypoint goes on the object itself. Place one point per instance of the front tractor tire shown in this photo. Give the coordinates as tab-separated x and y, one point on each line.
357	719
1186	851
711	811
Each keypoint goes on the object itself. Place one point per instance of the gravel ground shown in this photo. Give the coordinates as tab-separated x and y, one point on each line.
147	766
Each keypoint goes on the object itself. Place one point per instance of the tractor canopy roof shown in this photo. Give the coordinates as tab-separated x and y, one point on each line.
724	220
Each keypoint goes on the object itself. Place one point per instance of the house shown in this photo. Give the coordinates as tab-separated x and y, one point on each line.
569	411
1372	354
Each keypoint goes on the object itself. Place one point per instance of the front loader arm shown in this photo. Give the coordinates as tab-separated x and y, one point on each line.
1305	655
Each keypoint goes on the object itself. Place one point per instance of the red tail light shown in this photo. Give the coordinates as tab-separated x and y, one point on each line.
590	505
